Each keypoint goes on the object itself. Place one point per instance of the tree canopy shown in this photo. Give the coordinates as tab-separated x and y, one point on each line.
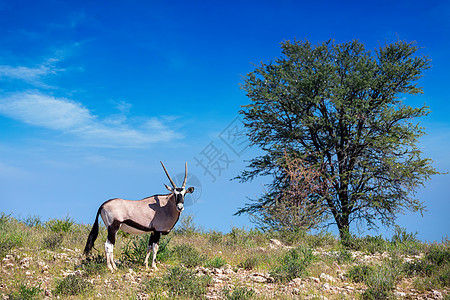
340	109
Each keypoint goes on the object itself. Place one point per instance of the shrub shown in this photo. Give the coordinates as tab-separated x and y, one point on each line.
60	225
215	237
381	280
371	244
344	255
401	236
359	273
32	221
238	293
293	264
11	235
25	292
188	255
380	284
178	282
433	270
53	241
216	262
94	265
135	251
73	285
249	263
186	226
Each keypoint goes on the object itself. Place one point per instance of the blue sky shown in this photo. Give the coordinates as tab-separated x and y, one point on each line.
93	94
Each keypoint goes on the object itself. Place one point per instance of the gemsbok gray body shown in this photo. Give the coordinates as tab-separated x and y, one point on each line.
156	214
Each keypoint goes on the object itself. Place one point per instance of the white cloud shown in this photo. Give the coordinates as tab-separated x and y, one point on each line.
73	118
33	75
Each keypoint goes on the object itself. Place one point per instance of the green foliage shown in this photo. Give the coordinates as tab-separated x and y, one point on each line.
402	237
380	283
11	235
215	237
216	262
293	264
380	280
249	263
25	293
53	241
370	244
344	256
32	221
433	270
135	250
73	285
188	255
238	293
60	225
339	108
178	282
186	225
359	273
95	265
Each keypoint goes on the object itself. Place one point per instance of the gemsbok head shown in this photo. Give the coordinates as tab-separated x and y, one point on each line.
156	214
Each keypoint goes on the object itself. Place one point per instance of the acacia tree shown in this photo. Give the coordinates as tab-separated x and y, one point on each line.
342	106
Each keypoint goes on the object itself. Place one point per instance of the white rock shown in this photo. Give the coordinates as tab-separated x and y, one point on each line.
326	277
437	295
315	279
399	294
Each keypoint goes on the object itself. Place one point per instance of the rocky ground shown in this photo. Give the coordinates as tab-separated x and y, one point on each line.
40	268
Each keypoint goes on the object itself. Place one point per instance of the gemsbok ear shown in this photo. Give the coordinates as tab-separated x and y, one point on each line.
168	187
190	190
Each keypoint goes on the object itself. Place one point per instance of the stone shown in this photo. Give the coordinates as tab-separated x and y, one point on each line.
314	279
258	278
326	277
437	295
399	294
296	281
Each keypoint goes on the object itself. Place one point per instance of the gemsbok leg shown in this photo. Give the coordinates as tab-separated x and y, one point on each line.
153	244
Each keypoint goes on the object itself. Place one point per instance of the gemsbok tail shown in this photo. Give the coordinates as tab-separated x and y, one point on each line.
92	235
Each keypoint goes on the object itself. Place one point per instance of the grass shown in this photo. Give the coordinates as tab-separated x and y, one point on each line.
238	293
73	285
55	265
293	264
25	292
178	282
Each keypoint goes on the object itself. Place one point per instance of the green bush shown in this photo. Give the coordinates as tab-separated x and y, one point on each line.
381	280
249	263
73	285
53	241
24	292
94	265
188	256
178	282
215	237
11	234
135	251
344	256
238	293
186	226
32	221
60	225
216	262
433	270
293	264
359	273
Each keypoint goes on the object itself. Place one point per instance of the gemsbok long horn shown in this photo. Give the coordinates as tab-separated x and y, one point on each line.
168	176
156	214
185	176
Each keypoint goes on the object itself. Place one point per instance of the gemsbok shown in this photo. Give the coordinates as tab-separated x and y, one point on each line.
157	214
